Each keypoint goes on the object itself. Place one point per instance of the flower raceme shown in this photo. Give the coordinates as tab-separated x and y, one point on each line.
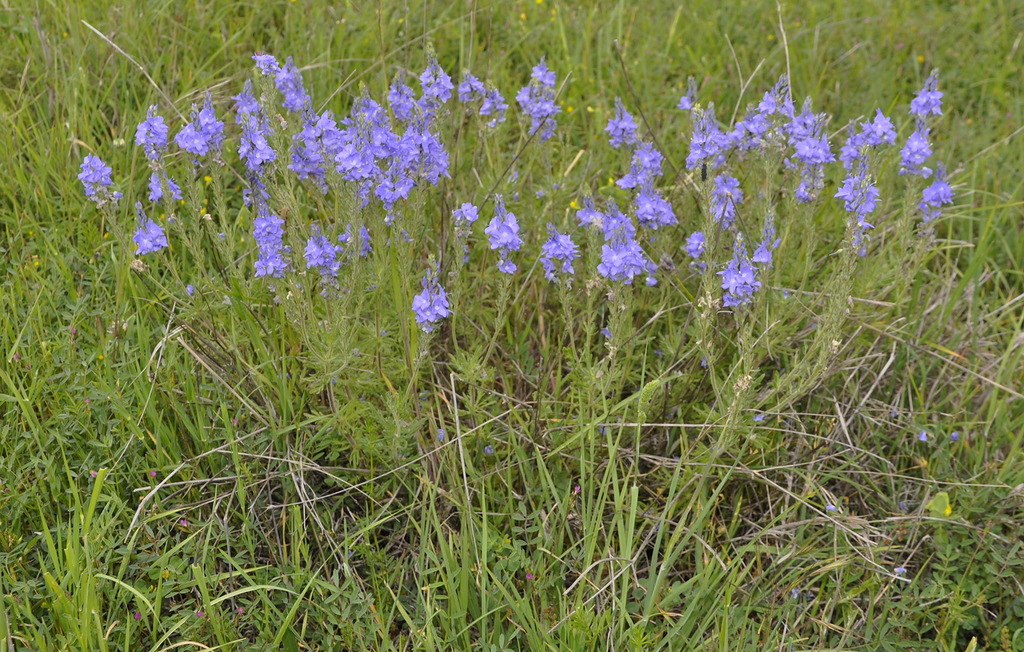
503	234
431	305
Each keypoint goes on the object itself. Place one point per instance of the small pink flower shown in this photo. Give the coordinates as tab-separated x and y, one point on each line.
183	522
93	473
576	489
240	610
152	474
17	356
529	576
137	616
199	614
88	401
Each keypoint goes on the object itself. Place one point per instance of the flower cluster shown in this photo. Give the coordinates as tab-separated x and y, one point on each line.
95	177
622	257
151	135
503	233
538	101
288	80
558	248
378	155
149	236
739	278
725	196
621	127
204	134
431	305
812	151
918	149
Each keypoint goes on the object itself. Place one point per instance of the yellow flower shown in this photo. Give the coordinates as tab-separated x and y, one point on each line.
568	109
920	58
101	356
36	263
574	204
771	37
522	16
949	510
207	178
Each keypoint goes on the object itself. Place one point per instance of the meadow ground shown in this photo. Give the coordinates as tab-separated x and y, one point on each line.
251	465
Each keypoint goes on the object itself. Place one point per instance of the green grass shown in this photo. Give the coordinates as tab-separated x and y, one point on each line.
650	510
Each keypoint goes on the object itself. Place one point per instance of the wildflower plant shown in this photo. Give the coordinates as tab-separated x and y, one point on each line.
344	244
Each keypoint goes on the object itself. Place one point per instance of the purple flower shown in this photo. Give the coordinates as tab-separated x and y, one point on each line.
812	151
652	210
266	63
402	101
538	101
322	254
724	197
916	152
309	145
879	131
954	436
503	232
559	247
689	98
437	85
860	196
465	214
253	148
365	243
707	145
245	103
158	181
621	127
470	88
488	450
204	134
393	185
494	105
190	290
95	177
831	508
149	236
900	570
137	615
928	99
695	245
151	134
269	233
763	253
622	258
644	168
288	80
936	195
431	305
589	214
739	278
